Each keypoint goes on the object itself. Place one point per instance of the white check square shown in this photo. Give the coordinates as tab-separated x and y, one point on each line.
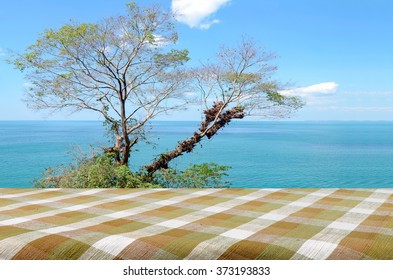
113	244
273	217
238	233
362	211
317	250
215	209
173	223
344	226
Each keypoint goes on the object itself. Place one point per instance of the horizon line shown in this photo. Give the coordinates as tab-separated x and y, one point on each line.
271	120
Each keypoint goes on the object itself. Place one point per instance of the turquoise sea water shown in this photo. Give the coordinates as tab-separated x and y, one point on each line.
262	154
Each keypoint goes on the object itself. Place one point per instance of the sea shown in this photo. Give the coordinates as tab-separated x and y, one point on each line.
263	154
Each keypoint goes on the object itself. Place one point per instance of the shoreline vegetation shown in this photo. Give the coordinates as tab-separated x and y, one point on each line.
102	171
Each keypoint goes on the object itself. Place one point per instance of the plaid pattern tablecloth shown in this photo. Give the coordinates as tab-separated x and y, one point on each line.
196	224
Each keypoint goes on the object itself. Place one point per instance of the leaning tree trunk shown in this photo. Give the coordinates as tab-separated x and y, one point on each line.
215	119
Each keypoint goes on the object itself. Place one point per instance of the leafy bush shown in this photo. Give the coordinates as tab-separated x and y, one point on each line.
100	171
205	175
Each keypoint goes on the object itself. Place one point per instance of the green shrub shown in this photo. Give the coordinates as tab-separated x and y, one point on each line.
101	171
97	172
205	175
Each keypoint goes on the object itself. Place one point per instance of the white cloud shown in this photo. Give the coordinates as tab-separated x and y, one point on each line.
318	89
1	52
160	41
197	13
207	25
314	95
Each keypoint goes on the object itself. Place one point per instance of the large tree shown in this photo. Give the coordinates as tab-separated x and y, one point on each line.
121	67
237	84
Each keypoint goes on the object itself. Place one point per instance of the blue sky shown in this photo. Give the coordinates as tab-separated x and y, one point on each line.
337	55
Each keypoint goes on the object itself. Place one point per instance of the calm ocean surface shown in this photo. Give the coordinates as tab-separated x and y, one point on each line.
262	154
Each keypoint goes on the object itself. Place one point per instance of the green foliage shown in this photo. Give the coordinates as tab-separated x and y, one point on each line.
241	77
172	57
281	100
101	171
205	175
97	172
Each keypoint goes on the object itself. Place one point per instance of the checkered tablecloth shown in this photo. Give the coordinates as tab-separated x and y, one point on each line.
196	224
